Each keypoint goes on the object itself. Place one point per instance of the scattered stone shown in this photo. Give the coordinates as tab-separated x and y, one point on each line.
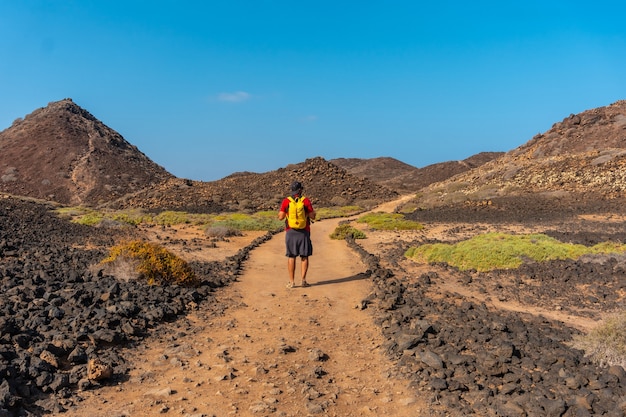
50	358
431	359
97	370
161	392
314	408
57	310
318	355
408	401
284	349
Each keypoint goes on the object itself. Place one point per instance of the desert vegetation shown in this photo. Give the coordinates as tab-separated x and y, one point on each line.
262	220
606	344
345	230
237	221
389	221
491	251
338	211
504	297
151	262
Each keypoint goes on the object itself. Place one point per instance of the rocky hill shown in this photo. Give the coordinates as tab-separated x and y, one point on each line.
582	158
406	178
63	153
325	183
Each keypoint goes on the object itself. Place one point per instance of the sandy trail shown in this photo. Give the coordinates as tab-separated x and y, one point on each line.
273	351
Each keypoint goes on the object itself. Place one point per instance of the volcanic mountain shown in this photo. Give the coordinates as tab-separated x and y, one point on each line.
406	178
581	158
63	153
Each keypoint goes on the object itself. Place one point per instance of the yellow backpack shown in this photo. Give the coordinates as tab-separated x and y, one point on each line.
296	218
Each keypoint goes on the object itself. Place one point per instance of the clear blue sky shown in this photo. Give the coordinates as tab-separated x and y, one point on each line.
208	88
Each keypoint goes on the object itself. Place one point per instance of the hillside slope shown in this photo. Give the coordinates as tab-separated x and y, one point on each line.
63	153
580	158
405	178
325	183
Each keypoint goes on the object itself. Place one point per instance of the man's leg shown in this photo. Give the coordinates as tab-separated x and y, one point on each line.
305	267
291	267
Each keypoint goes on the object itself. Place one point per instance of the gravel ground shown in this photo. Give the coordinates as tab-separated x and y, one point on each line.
60	317
62	321
473	358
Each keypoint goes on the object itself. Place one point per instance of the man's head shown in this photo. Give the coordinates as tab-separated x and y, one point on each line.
296	188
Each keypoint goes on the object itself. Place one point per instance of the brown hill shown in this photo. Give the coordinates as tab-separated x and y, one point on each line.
406	178
325	183
582	158
62	153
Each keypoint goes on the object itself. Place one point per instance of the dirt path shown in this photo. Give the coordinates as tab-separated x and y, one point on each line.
274	350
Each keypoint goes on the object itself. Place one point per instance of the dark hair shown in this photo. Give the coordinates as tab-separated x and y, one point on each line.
296	187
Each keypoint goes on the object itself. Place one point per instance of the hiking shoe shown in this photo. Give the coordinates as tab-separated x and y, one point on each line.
305	284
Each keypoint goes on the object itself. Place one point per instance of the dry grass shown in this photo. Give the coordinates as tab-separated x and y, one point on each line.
151	262
606	344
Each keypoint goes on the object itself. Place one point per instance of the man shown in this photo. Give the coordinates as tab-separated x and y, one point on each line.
297	240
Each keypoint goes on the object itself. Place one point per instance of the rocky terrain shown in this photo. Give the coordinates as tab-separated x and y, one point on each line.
59	312
62	153
467	343
327	184
581	157
500	343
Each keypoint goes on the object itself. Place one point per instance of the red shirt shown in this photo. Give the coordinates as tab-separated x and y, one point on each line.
307	206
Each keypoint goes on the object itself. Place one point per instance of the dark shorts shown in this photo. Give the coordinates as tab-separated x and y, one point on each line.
298	243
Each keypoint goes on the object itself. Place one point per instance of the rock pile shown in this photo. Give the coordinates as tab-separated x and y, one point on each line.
62	322
528	208
325	183
476	361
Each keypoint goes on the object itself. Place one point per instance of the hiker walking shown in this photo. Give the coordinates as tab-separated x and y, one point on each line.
297	212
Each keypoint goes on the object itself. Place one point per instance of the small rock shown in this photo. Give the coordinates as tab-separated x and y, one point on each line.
49	357
431	359
97	370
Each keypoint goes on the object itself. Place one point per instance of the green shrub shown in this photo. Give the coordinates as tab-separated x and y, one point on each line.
504	251
344	230
335	212
171	217
92	217
263	220
154	263
389	221
70	212
133	217
242	221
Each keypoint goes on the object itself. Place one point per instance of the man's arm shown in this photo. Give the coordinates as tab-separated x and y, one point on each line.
310	212
282	212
